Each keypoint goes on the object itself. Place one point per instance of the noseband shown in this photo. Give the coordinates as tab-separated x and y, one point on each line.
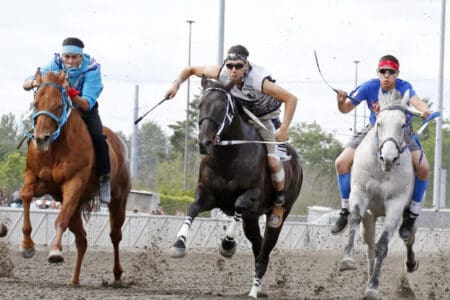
397	144
229	112
60	121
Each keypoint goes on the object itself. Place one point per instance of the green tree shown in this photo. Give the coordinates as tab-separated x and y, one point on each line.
318	150
8	135
152	149
177	142
11	172
315	146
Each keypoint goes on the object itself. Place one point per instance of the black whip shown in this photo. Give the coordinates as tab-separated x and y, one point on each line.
141	117
326	82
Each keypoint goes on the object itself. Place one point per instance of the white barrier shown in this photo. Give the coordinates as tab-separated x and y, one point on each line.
145	231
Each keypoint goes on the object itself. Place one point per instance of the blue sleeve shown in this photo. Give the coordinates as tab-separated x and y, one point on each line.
92	87
360	94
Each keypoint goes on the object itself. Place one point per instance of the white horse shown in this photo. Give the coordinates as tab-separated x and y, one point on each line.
381	185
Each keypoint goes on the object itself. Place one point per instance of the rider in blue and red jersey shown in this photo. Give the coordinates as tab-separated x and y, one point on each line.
387	82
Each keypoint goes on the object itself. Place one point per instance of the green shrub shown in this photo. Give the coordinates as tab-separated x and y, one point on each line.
173	204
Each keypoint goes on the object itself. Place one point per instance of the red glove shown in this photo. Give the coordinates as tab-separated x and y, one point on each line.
72	93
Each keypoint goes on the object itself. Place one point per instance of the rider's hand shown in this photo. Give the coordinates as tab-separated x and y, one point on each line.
424	115
173	90
341	96
72	93
281	135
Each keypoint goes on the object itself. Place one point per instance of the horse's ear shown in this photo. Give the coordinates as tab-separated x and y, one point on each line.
38	75
229	85
204	81
61	77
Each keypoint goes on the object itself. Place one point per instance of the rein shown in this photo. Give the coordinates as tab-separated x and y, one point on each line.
391	139
60	121
228	118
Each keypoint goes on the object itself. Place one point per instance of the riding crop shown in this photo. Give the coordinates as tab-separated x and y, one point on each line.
141	117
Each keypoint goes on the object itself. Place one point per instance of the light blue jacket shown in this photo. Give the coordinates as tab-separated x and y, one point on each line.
87	78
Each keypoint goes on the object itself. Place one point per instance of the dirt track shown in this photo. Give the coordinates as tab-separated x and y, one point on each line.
151	274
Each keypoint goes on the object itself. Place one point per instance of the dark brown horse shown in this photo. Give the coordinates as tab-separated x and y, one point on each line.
60	162
3	230
234	177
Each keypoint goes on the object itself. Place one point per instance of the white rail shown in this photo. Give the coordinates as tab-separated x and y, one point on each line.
144	231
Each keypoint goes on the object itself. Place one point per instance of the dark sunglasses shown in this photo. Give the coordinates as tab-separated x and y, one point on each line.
390	71
238	66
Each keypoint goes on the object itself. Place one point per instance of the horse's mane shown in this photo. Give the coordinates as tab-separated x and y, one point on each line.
51	77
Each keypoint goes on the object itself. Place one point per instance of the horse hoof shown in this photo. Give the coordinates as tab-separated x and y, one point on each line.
254	292
3	230
347	264
178	249
55	256
175	252
412	267
371	294
227	248
28	253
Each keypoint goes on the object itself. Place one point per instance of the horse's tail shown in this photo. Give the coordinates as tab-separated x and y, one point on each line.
87	207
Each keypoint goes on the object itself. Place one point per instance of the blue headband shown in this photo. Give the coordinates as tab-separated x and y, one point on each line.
72	49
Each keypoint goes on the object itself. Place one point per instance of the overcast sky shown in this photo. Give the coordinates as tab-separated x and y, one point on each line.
145	43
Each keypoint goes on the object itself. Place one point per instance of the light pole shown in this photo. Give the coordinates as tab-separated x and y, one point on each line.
356	85
186	133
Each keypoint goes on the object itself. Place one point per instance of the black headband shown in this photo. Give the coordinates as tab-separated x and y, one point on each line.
235	56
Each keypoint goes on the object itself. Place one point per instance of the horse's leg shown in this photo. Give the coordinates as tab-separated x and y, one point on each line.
178	248
368	234
71	195
76	226
3	230
348	263
253	234
411	263
394	211
228	245
27	193
117	218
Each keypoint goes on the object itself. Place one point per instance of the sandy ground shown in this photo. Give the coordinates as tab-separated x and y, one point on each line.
204	274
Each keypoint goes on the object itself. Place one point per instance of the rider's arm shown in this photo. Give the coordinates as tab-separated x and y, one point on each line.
208	71
344	105
290	104
420	105
28	84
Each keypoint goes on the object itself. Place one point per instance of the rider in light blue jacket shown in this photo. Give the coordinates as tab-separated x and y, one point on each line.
84	86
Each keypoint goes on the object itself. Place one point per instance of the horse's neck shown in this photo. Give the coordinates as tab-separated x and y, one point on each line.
73	128
236	130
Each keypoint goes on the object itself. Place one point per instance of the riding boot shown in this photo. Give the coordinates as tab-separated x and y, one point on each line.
276	217
407	226
341	222
105	189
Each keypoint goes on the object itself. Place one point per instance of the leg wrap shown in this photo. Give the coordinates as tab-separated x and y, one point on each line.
278	176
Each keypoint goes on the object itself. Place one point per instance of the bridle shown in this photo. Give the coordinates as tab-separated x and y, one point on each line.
67	107
400	145
229	113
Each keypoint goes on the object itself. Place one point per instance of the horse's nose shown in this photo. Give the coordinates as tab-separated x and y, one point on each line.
42	138
42	141
205	146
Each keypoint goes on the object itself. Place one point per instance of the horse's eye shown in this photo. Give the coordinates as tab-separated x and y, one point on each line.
404	125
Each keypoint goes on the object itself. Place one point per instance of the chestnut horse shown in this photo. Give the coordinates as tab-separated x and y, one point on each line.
60	162
234	177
